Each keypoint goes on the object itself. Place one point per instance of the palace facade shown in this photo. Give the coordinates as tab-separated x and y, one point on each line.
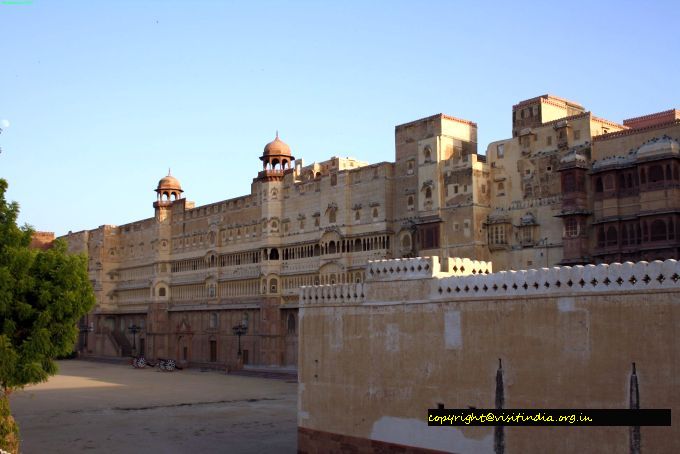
557	192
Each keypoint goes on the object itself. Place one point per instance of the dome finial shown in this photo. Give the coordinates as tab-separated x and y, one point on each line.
169	174
277	133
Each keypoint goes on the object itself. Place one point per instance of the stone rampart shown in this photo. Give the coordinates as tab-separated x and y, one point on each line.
375	356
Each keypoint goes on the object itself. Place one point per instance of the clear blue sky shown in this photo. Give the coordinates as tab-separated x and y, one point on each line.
102	97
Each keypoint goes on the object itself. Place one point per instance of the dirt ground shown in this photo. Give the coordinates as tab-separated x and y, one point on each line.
99	407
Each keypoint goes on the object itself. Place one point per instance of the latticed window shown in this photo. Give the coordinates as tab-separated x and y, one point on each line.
498	234
571	228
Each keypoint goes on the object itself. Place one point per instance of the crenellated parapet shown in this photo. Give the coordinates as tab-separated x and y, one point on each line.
424	268
615	277
403	269
455	278
332	294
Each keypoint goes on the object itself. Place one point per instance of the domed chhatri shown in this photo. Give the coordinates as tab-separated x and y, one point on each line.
277	156
276	147
168	188
169	182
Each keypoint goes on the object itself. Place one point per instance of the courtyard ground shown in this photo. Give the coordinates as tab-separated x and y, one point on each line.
111	408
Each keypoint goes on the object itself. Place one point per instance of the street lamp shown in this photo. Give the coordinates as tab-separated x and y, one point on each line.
240	330
134	329
84	329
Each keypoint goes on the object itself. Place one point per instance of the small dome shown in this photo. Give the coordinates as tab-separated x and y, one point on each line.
573	156
276	148
659	146
169	183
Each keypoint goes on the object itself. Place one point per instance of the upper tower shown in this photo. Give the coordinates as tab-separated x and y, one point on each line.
169	189
541	109
276	159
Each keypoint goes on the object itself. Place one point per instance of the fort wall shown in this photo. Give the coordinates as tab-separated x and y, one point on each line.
375	356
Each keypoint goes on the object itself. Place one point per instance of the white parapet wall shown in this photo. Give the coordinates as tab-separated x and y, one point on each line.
614	277
425	333
456	278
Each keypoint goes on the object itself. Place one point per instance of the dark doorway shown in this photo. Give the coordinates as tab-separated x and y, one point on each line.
245	356
213	351
141	347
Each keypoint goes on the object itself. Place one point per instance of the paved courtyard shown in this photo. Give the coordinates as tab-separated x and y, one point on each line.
98	407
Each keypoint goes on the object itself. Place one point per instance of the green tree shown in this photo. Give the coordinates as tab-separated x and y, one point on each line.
43	294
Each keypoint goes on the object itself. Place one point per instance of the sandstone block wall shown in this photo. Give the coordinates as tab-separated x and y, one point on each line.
372	364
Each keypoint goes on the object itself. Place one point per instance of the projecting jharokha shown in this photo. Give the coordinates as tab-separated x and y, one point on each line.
567	188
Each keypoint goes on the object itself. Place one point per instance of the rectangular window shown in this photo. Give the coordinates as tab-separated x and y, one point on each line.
500	151
213	351
429	236
548	140
498	234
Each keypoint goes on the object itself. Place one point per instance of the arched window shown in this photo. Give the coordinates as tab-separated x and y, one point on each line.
291	324
609	182
409	202
600	237
569	185
428	193
332	248
501	188
658	228
357	215
630	180
214	320
671	229
643	176
275	194
427	154
375	214
669	176
274	254
161	291
406	242
655	173
334	179
331	216
612	236
273	285
598	184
